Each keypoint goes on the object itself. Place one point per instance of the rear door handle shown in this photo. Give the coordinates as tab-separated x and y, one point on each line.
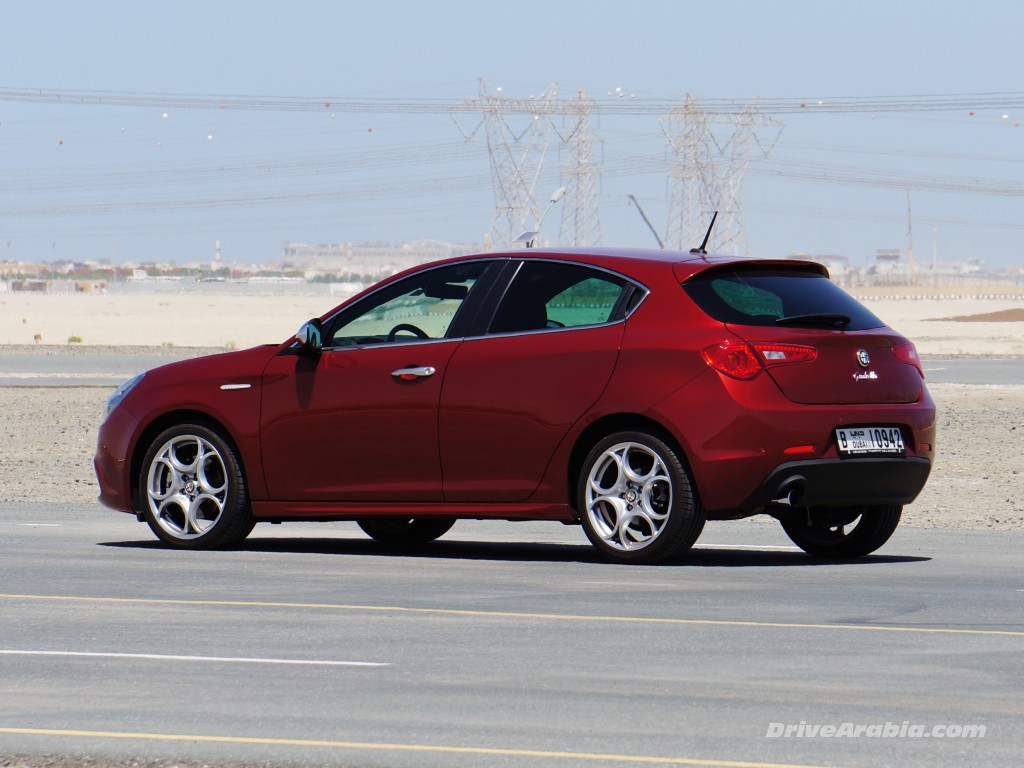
411	374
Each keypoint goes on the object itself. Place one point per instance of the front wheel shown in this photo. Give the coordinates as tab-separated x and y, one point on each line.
192	489
842	531
405	531
636	500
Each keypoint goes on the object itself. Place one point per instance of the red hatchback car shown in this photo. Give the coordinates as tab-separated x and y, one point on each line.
638	393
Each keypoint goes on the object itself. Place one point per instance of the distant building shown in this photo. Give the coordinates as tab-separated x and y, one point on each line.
372	258
887	259
29	286
839	268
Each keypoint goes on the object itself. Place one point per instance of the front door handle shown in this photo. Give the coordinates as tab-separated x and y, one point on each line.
411	374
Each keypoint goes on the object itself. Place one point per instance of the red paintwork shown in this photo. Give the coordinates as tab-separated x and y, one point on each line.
495	431
509	400
340	427
829	378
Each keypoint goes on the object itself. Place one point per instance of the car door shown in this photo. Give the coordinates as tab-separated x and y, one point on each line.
358	421
511	395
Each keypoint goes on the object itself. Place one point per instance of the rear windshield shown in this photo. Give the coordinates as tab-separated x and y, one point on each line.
778	297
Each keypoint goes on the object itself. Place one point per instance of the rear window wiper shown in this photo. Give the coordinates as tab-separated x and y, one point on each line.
833	319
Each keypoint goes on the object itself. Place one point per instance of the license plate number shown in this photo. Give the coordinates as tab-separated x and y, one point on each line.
855	441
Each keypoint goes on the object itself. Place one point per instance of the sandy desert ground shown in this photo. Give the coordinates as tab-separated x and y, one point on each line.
48	434
239	321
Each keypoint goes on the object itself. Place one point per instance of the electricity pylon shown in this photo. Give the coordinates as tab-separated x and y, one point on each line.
518	138
581	224
711	154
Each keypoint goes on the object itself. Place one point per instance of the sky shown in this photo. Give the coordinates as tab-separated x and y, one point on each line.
259	123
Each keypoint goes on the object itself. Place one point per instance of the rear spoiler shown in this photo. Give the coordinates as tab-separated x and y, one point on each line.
684	271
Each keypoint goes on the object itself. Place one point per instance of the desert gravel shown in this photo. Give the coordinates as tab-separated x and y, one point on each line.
48	438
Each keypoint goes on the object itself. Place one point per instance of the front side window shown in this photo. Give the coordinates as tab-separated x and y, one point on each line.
422	306
556	295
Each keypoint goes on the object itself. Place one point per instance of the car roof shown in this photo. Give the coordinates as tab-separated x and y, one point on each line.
685	264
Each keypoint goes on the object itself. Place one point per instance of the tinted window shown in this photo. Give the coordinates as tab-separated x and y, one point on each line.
547	294
422	306
764	297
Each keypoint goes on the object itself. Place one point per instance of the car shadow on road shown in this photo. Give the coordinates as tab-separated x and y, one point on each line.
505	551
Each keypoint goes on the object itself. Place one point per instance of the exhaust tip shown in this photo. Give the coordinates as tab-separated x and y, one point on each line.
790	492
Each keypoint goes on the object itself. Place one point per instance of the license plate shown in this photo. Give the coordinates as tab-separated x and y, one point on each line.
855	441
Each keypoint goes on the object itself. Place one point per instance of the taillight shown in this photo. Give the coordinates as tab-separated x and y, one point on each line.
907	353
744	361
733	358
781	354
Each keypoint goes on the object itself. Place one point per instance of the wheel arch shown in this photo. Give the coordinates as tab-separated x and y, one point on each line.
610	424
166	421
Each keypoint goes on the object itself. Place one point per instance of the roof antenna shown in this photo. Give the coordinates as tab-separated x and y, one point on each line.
703	250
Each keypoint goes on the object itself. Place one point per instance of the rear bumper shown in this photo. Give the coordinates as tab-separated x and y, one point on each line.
744	440
843	482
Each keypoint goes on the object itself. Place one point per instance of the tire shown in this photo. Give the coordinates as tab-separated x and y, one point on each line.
636	500
841	532
405	531
192	489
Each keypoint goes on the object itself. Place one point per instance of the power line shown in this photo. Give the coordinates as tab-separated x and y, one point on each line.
888	179
631	105
717	151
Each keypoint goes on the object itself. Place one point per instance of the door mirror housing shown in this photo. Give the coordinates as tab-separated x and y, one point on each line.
311	335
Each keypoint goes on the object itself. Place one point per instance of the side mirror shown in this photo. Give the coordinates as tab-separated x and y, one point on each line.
311	335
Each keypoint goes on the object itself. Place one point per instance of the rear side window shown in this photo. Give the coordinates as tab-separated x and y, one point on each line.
558	295
778	297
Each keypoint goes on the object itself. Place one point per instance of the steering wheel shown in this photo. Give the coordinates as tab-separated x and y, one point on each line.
419	332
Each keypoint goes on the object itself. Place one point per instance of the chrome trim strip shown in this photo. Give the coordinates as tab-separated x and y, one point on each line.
535	255
410	343
549	330
235	386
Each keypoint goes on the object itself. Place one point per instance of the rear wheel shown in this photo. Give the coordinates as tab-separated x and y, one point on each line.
192	489
405	531
636	499
842	531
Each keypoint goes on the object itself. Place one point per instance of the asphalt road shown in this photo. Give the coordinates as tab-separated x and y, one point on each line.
59	368
504	645
973	370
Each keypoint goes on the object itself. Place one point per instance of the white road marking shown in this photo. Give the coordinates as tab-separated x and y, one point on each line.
61	375
41	525
215	659
748	546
